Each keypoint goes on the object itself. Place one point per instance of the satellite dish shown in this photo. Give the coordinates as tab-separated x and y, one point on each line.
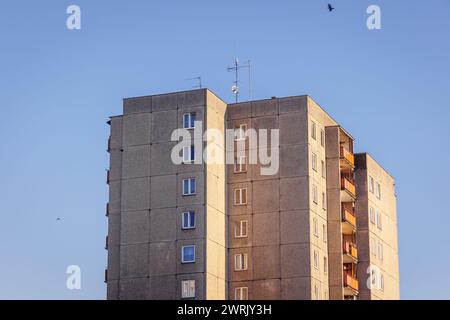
234	89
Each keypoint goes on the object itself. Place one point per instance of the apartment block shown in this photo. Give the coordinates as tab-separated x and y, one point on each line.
217	230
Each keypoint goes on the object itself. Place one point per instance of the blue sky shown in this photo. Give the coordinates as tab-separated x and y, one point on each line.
389	88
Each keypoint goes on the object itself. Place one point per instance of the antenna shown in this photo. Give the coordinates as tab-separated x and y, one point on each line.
199	79
235	68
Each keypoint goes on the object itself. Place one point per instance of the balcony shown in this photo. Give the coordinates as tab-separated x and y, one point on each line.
350	285
350	252
348	221
347	159
349	188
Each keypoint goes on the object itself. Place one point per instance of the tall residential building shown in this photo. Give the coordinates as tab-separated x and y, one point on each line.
208	230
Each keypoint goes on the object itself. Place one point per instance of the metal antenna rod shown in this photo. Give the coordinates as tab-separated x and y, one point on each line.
199	79
235	68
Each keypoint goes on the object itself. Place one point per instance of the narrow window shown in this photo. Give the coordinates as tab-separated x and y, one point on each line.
316	292
240	262
379	223
323	169
316	260
188	289
373	249
240	230
378	191
315	194
240	196
240	132
371	184
322	138
372	215
324	231
380	251
188	220
381	286
325	265
188	154
241	293
240	164
188	254
313	130
324	201
314	161
315	228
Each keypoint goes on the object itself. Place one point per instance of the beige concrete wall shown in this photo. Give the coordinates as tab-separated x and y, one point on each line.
216	285
369	235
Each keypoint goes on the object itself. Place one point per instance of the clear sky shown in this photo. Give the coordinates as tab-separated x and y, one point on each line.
389	88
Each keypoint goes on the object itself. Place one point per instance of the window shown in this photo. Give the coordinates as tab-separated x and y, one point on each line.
325	265
378	191
188	289
380	251
240	262
324	231
379	224
240	164
314	161
373	276
189	120
240	132
372	215
313	130
316	260
324	201
381	284
371	184
240	196
188	154
323	169
322	138
315	228
188	220
316	292
241	293
315	194
187	254
240	229
188	187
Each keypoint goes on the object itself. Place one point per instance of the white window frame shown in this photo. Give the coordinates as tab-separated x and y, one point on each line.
371	184
241	132
189	115
187	214
183	260
315	195
372	215
239	230
314	161
381	284
188	154
316	260
240	164
380	251
315	228
324	169
240	262
241	293
238	195
379	220
189	191
188	289
378	190
322	138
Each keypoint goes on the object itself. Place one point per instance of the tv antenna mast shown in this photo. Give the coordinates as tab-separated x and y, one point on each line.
235	68
199	82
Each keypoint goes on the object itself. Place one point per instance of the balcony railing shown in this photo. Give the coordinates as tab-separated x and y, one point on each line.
347	185
347	155
351	282
350	249
348	216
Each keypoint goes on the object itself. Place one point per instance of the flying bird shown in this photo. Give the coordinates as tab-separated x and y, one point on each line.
330	8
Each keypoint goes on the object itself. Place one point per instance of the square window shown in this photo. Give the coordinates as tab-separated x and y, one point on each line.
189	120
240	262
188	220
240	230
241	293
188	254
188	289
240	196
189	186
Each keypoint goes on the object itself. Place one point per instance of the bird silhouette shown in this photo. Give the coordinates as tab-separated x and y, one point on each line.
330	8
58	219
